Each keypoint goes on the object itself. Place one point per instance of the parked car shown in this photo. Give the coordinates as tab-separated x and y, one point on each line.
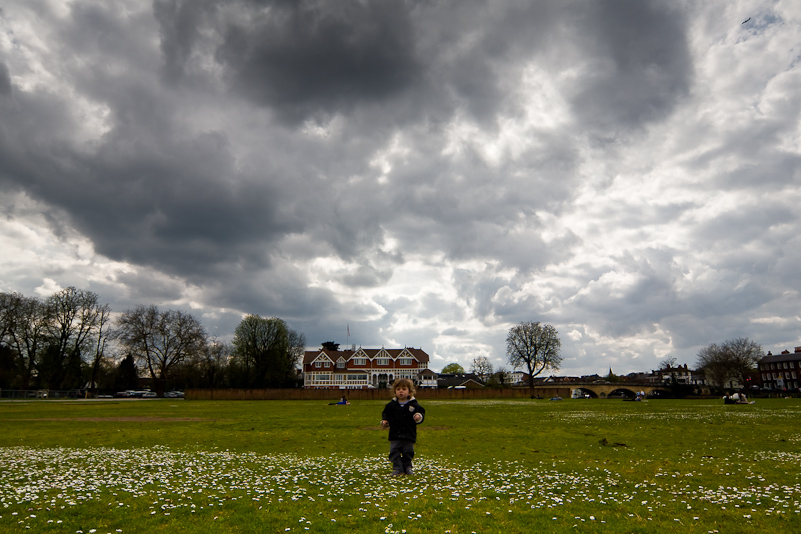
148	394
174	395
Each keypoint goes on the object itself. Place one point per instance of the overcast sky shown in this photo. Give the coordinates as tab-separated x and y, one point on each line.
425	173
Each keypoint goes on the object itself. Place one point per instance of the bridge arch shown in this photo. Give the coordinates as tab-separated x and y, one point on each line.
583	393
597	390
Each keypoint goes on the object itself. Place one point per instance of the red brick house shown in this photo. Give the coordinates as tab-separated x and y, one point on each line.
364	368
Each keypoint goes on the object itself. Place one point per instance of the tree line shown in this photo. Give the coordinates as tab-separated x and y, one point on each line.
70	341
535	347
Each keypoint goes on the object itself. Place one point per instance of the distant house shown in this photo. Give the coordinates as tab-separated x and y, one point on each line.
697	378
780	371
682	374
636	377
459	381
428	379
517	378
364	368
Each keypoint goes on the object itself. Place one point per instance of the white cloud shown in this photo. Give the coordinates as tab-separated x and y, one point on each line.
48	287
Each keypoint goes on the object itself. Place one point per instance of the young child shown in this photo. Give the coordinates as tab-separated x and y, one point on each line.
402	415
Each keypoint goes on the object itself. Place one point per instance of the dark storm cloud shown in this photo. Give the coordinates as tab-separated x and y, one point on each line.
5	80
280	290
750	223
641	292
101	31
301	58
173	203
315	59
639	64
180	23
370	273
361	161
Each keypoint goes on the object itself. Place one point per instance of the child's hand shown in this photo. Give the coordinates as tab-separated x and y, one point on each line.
418	417
385	423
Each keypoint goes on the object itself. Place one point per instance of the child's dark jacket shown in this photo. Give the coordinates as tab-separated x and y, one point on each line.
402	426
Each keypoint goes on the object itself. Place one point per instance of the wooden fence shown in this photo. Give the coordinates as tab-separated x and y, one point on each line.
333	395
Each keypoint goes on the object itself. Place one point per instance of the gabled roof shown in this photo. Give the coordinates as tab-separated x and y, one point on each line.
360	353
334	355
418	354
453	380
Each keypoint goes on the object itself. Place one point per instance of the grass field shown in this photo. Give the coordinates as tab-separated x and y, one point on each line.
482	466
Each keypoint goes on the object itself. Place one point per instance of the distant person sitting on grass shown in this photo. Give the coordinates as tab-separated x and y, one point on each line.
402	415
342	402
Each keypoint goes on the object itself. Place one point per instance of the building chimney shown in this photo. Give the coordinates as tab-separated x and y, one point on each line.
798	349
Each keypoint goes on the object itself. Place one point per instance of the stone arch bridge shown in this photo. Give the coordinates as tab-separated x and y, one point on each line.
603	390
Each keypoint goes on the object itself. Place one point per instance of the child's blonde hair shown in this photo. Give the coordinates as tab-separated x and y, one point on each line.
400	382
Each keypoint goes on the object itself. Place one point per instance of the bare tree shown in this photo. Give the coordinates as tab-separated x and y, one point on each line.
7	305
214	362
730	361
482	367
74	317
102	335
535	346
23	322
745	357
668	363
161	340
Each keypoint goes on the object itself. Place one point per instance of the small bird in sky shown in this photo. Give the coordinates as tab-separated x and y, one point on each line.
746	20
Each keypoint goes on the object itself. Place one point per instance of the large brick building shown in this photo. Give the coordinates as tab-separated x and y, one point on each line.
365	368
781	371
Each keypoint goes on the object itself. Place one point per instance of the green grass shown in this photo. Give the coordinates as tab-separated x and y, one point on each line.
481	466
